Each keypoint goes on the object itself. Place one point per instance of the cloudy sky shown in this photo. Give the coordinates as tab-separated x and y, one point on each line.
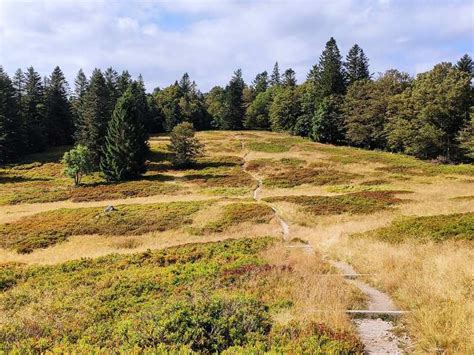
211	38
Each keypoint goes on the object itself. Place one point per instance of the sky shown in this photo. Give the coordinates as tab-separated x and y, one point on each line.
210	39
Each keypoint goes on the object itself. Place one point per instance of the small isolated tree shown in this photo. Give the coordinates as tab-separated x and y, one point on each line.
184	145
77	163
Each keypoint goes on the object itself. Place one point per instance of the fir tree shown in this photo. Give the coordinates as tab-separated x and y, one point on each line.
330	75
126	145
233	107
275	79
123	82
356	65
77	101
328	122
10	128
34	112
59	126
95	116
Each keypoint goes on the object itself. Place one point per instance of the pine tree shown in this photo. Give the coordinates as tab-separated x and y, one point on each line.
126	145
356	65
19	84
10	128
330	75
275	79
465	64
59	126
34	112
95	116
289	78
123	82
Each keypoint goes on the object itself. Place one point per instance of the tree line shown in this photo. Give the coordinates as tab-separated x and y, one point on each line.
340	102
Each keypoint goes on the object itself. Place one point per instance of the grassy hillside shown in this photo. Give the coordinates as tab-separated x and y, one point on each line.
190	261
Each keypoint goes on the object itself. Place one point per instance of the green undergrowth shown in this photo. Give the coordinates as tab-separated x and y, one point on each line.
313	175
236	213
357	188
274	145
354	203
437	228
48	228
203	298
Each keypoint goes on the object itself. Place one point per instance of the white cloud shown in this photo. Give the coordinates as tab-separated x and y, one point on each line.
210	39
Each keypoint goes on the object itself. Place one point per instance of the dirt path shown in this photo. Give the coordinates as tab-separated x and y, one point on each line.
376	334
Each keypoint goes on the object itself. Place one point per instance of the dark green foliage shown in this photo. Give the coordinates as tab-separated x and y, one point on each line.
426	120
328	121
10	126
34	112
126	144
257	114
329	72
356	65
289	78
260	83
365	108
59	125
77	101
465	64
233	110
285	108
95	116
275	78
184	145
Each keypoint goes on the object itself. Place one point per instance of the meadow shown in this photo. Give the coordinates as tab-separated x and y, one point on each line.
191	260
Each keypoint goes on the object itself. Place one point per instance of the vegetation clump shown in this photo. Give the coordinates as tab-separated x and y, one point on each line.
78	162
184	146
307	175
440	228
365	202
48	228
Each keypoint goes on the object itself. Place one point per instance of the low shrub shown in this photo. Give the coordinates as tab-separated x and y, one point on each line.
307	175
438	228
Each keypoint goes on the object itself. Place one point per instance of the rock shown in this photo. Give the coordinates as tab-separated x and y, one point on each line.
109	209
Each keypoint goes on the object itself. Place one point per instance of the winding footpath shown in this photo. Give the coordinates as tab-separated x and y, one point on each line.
375	330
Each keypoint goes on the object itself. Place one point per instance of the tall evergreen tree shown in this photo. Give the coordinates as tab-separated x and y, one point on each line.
289	77
356	65
233	107
77	100
126	144
19	85
330	74
95	116
275	78
34	112
123	82
10	128
59	126
465	64
328	121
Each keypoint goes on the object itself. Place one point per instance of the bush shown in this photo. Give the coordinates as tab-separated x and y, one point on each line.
184	145
78	162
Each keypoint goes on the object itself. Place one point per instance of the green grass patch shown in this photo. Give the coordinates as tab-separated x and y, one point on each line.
48	228
203	298
233	178
237	213
354	203
356	188
268	147
438	228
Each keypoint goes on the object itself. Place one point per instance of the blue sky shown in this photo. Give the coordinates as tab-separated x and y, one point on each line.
209	39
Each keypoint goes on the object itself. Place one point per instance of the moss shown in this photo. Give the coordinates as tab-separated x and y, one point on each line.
438	228
48	228
355	203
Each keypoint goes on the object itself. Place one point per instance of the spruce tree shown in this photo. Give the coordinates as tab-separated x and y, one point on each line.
465	64
330	74
34	112
328	122
123	82
275	79
126	144
77	101
233	106
356	65
59	126
95	116
10	128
